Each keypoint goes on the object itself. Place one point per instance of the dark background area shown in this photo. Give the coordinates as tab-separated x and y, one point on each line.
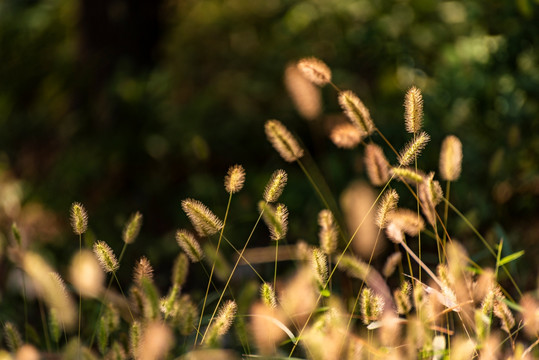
136	105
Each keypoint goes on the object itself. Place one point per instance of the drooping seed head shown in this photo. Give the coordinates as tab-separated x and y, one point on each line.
328	232
502	312
413	149
372	306
106	256
408	175
413	110
451	158
79	218
132	228
315	70
204	221
391	264
275	186
346	135
190	245
388	205
394	233
267	294
143	270
283	141
234	179
408	221
356	112
376	164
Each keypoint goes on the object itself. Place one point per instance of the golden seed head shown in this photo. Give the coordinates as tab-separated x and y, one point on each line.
376	164
388	204
502	312
204	221
319	265
413	149
276	218
391	264
315	70
356	112
222	322
180	270
268	295
372	306
79	218
354	267
275	186
132	228
402	298
190	245
283	141
346	135
234	179
143	270
451	158
394	233
305	95
328	232
407	220
408	175
413	110
106	256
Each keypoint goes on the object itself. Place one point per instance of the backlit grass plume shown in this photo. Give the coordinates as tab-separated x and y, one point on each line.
221	324
143	270
387	205
407	220
408	175
234	179
376	164
413	149
346	136
413	110
132	228
305	95
79	218
356	111
275	186
315	70
372	306
328	232
189	245
276	218
319	265
204	221
283	141
451	158
106	257
267	294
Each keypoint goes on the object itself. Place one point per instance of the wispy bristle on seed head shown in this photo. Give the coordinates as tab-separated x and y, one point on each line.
391	264
283	141
315	70
106	256
451	158
376	164
413	110
222	323
143	270
387	205
275	186
346	135
372	306
276	218
267	294
180	270
407	220
305	95
319	267
234	179
132	228
328	232
204	221
189	245
413	149
79	218
356	111
408	175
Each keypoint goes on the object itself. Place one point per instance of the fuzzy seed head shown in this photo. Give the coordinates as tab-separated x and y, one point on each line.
276	218
413	149
12	337
143	270
413	110
356	112
402	298
305	95
275	186
408	221
346	135
372	306
86	274
408	175
319	265
234	179
315	70
267	294
394	233
391	264
222	322
451	158
106	257
283	141
386	207
79	218
132	228
204	221
135	333
502	312
189	245
328	232
180	270
376	164
354	267
428	206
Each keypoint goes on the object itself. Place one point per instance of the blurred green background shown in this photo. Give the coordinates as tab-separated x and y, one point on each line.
135	105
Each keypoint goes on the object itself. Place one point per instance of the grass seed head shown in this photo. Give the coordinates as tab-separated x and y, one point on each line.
267	294
315	70
319	265
234	179
413	110
408	175
12	336
106	257
79	218
354	267
305	95
274	187
372	306
346	135
407	220
132	228
356	112
189	245
205	222
451	158
222	323
328	231
180	270
376	164
283	141
413	149
143	270
391	264
386	207
86	274
156	341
